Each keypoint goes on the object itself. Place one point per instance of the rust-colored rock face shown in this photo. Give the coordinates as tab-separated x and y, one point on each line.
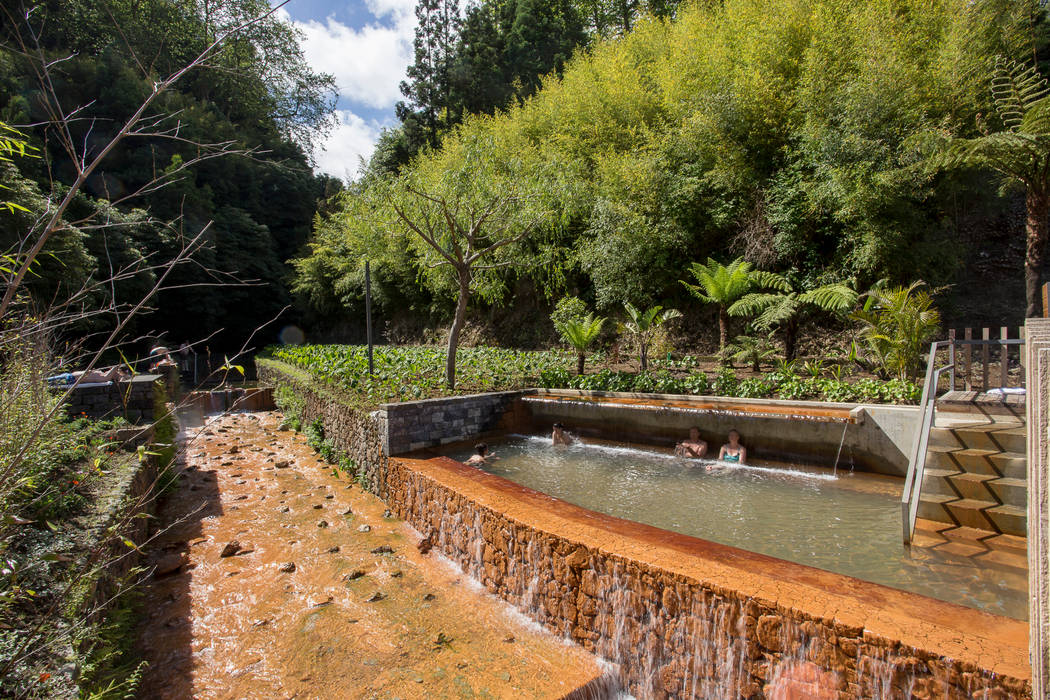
685	618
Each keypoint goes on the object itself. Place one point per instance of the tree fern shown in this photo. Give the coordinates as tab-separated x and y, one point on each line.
580	334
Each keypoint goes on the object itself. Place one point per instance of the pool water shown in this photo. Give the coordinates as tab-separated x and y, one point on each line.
848	523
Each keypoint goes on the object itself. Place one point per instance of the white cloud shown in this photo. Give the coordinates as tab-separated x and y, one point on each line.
352	139
368	63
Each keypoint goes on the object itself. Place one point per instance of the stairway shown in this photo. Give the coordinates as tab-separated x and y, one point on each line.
975	473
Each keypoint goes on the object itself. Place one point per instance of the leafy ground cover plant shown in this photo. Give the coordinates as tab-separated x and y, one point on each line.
414	372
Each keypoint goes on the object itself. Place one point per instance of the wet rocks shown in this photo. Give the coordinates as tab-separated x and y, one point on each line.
429	597
318	507
333	550
383	549
283	509
287	568
169	564
322	523
426	544
232	547
348	511
282	464
354	575
378	595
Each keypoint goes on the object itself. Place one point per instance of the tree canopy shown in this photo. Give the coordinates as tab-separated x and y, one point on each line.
722	133
256	94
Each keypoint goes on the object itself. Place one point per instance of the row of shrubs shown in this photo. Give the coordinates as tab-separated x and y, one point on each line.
774	385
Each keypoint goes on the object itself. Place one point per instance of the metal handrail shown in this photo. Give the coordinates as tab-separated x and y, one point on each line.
927	409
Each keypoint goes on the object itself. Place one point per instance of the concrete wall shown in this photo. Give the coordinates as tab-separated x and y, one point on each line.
873	438
686	618
138	399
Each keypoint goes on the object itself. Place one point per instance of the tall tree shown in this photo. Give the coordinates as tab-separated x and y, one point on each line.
724	285
466	216
1020	153
429	84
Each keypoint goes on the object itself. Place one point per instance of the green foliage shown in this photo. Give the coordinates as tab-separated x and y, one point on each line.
724	284
779	131
643	326
896	325
751	349
783	307
416	372
342	368
581	335
257	93
567	309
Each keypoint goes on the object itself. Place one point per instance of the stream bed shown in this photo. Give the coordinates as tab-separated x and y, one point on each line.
320	594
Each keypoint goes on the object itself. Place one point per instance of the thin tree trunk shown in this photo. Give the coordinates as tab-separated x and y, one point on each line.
579	366
790	339
457	327
645	354
1038	205
723	331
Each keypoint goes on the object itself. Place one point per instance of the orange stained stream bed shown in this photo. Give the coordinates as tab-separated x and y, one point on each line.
349	619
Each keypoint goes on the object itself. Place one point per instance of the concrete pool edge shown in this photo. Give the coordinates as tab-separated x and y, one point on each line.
958	647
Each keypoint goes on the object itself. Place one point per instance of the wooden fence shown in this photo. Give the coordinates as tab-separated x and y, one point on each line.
984	360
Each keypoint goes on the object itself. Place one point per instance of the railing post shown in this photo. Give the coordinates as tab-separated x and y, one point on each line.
968	376
951	359
986	358
1004	360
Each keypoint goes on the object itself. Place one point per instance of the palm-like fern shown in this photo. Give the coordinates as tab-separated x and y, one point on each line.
1021	152
580	334
783	307
643	324
897	323
724	285
751	349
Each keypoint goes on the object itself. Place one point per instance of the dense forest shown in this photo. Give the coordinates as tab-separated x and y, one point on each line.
793	133
630	138
223	151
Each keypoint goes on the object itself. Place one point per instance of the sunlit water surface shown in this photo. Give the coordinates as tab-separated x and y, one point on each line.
849	523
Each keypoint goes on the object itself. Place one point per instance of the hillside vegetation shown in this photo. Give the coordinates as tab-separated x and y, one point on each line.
785	131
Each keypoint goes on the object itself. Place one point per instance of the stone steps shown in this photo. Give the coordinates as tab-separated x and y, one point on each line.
976	472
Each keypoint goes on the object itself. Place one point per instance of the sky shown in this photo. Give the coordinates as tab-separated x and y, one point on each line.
367	46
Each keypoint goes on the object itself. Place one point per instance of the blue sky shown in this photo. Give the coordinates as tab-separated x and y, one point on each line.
366	45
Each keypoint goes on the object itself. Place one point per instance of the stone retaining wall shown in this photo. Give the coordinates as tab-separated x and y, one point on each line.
136	399
433	422
685	618
359	434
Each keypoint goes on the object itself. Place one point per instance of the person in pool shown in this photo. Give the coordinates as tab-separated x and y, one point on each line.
733	451
559	436
694	447
481	455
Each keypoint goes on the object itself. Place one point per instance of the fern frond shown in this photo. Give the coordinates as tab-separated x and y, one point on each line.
835	297
1016	87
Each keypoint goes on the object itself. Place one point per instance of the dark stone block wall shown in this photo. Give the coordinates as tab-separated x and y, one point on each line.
433	422
136	399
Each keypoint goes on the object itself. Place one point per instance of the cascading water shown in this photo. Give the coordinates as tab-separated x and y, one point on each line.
663	635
